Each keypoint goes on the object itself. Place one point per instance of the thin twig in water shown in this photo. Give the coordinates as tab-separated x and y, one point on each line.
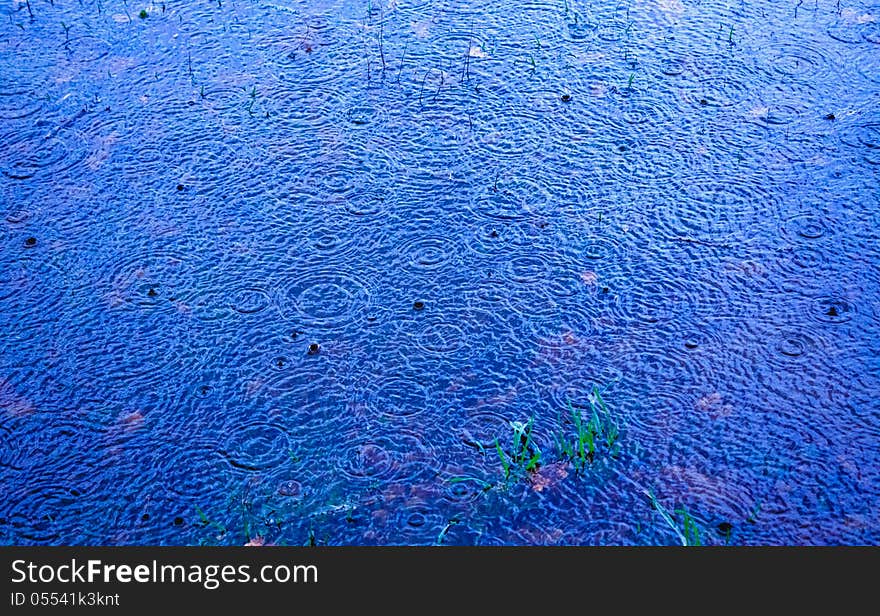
438	87
382	41
192	76
467	55
30	12
402	58
423	87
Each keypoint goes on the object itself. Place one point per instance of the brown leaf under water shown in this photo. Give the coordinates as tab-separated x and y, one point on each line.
714	405
103	148
747	268
499	399
570	338
420	28
548	476
130	422
12	403
181	307
851	16
589	278
542	536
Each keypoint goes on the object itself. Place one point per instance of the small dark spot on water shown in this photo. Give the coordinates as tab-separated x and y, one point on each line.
418	305
493	233
704	102
280	362
75	492
294	334
142	14
725	527
690	344
314	348
204	390
605	289
31	241
152	292
830	116
145	517
178	521
832	312
622	148
180	187
371	319
566	98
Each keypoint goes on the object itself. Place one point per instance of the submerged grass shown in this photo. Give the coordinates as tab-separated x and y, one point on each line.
600	429
687	531
524	455
441	536
204	520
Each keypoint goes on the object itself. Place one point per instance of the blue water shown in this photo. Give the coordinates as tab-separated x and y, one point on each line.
481	213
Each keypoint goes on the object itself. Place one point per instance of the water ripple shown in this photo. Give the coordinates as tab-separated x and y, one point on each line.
713	210
510	134
400	457
864	138
256	446
326	299
42	151
513	197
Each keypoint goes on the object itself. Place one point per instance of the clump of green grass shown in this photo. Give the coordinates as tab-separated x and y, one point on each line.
688	531
689	527
598	431
524	455
521	458
143	14
205	521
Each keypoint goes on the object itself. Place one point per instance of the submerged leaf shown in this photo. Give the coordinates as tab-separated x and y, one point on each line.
548	476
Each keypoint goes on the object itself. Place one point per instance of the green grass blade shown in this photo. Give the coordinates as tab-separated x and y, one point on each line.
666	517
504	463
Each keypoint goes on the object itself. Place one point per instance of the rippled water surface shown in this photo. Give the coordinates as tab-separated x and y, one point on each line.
287	272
